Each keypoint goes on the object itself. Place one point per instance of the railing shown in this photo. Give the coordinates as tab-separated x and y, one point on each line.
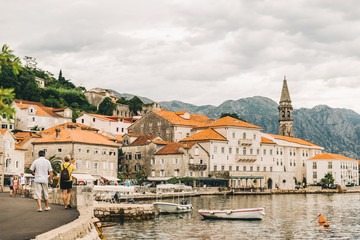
197	167
245	158
245	142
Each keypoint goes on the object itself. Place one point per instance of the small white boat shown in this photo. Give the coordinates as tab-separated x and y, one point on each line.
167	207
242	214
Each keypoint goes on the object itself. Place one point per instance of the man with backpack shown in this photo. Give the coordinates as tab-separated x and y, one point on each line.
66	179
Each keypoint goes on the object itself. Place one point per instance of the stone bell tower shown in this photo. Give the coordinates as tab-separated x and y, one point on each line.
285	112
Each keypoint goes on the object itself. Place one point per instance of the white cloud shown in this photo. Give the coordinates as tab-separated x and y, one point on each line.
202	52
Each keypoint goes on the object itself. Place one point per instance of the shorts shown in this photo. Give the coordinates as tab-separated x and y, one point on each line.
41	188
66	185
11	188
22	186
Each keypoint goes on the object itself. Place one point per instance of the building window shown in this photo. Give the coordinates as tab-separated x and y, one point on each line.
251	151
117	129
163	161
314	165
176	161
244	150
270	151
233	135
215	168
96	167
78	164
176	173
314	175
244	168
215	149
104	165
222	150
257	151
329	165
230	150
258	168
87	164
237	168
237	150
153	173
270	169
138	155
59	150
222	168
254	136
264	169
196	151
244	135
33	119
93	119
82	121
264	151
230	168
16	164
104	152
153	161
201	174
190	174
251	168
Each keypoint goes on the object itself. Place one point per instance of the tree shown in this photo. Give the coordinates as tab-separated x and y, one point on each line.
233	115
7	58
55	164
6	97
328	179
135	105
107	107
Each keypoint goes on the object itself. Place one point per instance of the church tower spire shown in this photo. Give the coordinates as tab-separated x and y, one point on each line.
285	112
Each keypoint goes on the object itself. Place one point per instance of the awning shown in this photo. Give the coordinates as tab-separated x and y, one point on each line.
83	177
158	178
28	175
110	178
246	177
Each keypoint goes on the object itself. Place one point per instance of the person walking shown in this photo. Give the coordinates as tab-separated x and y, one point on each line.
15	186
11	185
23	183
41	168
66	179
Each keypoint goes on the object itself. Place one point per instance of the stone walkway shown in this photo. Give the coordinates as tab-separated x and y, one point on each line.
19	219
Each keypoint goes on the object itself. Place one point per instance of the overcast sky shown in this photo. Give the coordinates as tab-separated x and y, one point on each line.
200	52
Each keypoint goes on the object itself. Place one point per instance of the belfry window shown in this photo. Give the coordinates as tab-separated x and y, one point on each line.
283	114
288	114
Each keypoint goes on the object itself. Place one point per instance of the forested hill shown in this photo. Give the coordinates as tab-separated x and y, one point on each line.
59	92
337	130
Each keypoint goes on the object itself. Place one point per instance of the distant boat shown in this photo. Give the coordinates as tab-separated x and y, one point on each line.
241	214
166	207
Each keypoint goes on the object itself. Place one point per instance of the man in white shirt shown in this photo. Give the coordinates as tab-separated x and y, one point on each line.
41	168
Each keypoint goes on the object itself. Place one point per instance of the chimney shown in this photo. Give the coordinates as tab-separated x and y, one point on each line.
57	133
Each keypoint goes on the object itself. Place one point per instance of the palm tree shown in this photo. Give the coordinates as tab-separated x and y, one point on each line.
55	164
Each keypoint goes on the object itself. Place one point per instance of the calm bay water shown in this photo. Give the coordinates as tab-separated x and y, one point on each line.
287	217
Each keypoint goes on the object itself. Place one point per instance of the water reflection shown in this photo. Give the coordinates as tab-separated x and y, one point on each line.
287	217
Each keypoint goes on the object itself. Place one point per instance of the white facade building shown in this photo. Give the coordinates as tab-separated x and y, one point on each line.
111	124
343	169
35	116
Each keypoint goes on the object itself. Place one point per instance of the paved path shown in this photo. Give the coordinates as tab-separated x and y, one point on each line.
19	219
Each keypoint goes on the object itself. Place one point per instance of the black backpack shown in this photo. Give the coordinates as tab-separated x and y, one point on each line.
65	175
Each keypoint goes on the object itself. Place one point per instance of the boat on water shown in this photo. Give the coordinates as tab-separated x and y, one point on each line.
167	207
239	214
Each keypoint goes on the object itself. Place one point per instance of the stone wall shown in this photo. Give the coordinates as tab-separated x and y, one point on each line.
120	212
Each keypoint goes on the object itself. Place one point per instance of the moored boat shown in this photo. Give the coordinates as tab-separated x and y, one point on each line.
167	207
241	214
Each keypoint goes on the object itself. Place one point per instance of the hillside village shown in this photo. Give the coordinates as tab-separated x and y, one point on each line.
161	146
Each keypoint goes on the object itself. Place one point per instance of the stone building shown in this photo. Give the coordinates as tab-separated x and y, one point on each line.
12	156
344	170
95	154
170	126
184	159
138	150
5	123
35	116
285	112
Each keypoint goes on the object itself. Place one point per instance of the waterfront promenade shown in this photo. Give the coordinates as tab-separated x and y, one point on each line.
19	219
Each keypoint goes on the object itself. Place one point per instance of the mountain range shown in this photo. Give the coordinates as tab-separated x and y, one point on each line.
335	129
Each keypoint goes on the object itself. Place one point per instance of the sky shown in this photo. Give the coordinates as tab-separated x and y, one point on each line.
196	51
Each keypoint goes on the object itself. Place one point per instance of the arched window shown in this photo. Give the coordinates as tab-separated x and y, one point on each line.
283	114
244	150
288	114
244	135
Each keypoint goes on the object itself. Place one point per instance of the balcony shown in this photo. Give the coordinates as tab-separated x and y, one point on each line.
245	142
245	158
197	167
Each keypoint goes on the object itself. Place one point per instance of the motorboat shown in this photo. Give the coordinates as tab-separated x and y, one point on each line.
241	214
167	207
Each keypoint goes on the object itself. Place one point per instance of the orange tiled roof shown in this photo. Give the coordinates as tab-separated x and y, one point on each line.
174	118
133	134
75	135
119	138
142	140
111	118
230	121
294	140
330	156
161	142
17	147
208	134
23	137
39	107
266	140
70	125
3	131
172	148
